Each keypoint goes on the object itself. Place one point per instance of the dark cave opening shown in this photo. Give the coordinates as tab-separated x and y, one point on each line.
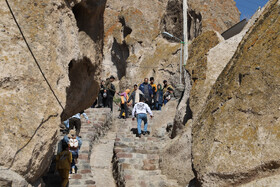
82	76
126	30
90	18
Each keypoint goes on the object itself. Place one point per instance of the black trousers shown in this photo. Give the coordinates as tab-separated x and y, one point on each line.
75	122
110	102
124	109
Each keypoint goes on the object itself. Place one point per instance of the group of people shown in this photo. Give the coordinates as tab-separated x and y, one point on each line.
71	143
155	96
148	97
106	94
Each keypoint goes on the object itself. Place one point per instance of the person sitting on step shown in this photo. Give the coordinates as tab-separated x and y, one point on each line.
140	111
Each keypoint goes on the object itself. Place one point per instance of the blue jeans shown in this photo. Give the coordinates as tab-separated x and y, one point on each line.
141	117
75	154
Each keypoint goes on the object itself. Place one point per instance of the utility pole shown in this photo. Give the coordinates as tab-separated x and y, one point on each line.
185	30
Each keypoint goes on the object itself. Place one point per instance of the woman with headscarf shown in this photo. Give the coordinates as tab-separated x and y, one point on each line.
159	97
124	99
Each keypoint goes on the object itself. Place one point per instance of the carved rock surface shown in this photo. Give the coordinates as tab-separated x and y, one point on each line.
236	137
70	60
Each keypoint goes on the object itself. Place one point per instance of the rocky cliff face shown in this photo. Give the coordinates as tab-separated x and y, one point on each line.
177	154
69	54
134	47
209	53
235	138
203	15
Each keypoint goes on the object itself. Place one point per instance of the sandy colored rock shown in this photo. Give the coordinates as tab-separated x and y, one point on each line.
217	15
197	66
236	137
183	111
163	118
203	15
29	112
134	47
216	59
176	157
266	181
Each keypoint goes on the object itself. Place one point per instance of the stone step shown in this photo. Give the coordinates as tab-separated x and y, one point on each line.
137	159
90	133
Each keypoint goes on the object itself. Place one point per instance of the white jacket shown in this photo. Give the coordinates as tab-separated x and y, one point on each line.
141	108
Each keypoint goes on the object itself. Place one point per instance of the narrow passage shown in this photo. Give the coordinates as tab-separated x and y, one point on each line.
101	159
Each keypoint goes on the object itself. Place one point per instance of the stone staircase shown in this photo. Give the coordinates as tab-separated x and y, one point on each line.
101	120
136	160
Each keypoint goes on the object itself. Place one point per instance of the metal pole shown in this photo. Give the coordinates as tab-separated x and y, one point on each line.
185	27
181	54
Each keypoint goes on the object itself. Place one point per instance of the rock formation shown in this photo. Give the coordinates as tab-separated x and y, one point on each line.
69	39
208	56
202	15
133	44
69	52
235	138
177	155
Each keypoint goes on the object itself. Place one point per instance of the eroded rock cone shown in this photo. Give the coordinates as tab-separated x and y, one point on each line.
236	138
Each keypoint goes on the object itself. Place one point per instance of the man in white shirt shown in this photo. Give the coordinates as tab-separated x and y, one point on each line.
140	110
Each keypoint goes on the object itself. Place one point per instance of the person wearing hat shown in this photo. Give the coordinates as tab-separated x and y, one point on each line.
167	95
111	90
74	149
72	133
165	86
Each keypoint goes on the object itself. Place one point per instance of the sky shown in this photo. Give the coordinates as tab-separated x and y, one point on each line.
249	7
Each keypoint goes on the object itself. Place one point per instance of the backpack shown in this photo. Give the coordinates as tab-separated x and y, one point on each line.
73	143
